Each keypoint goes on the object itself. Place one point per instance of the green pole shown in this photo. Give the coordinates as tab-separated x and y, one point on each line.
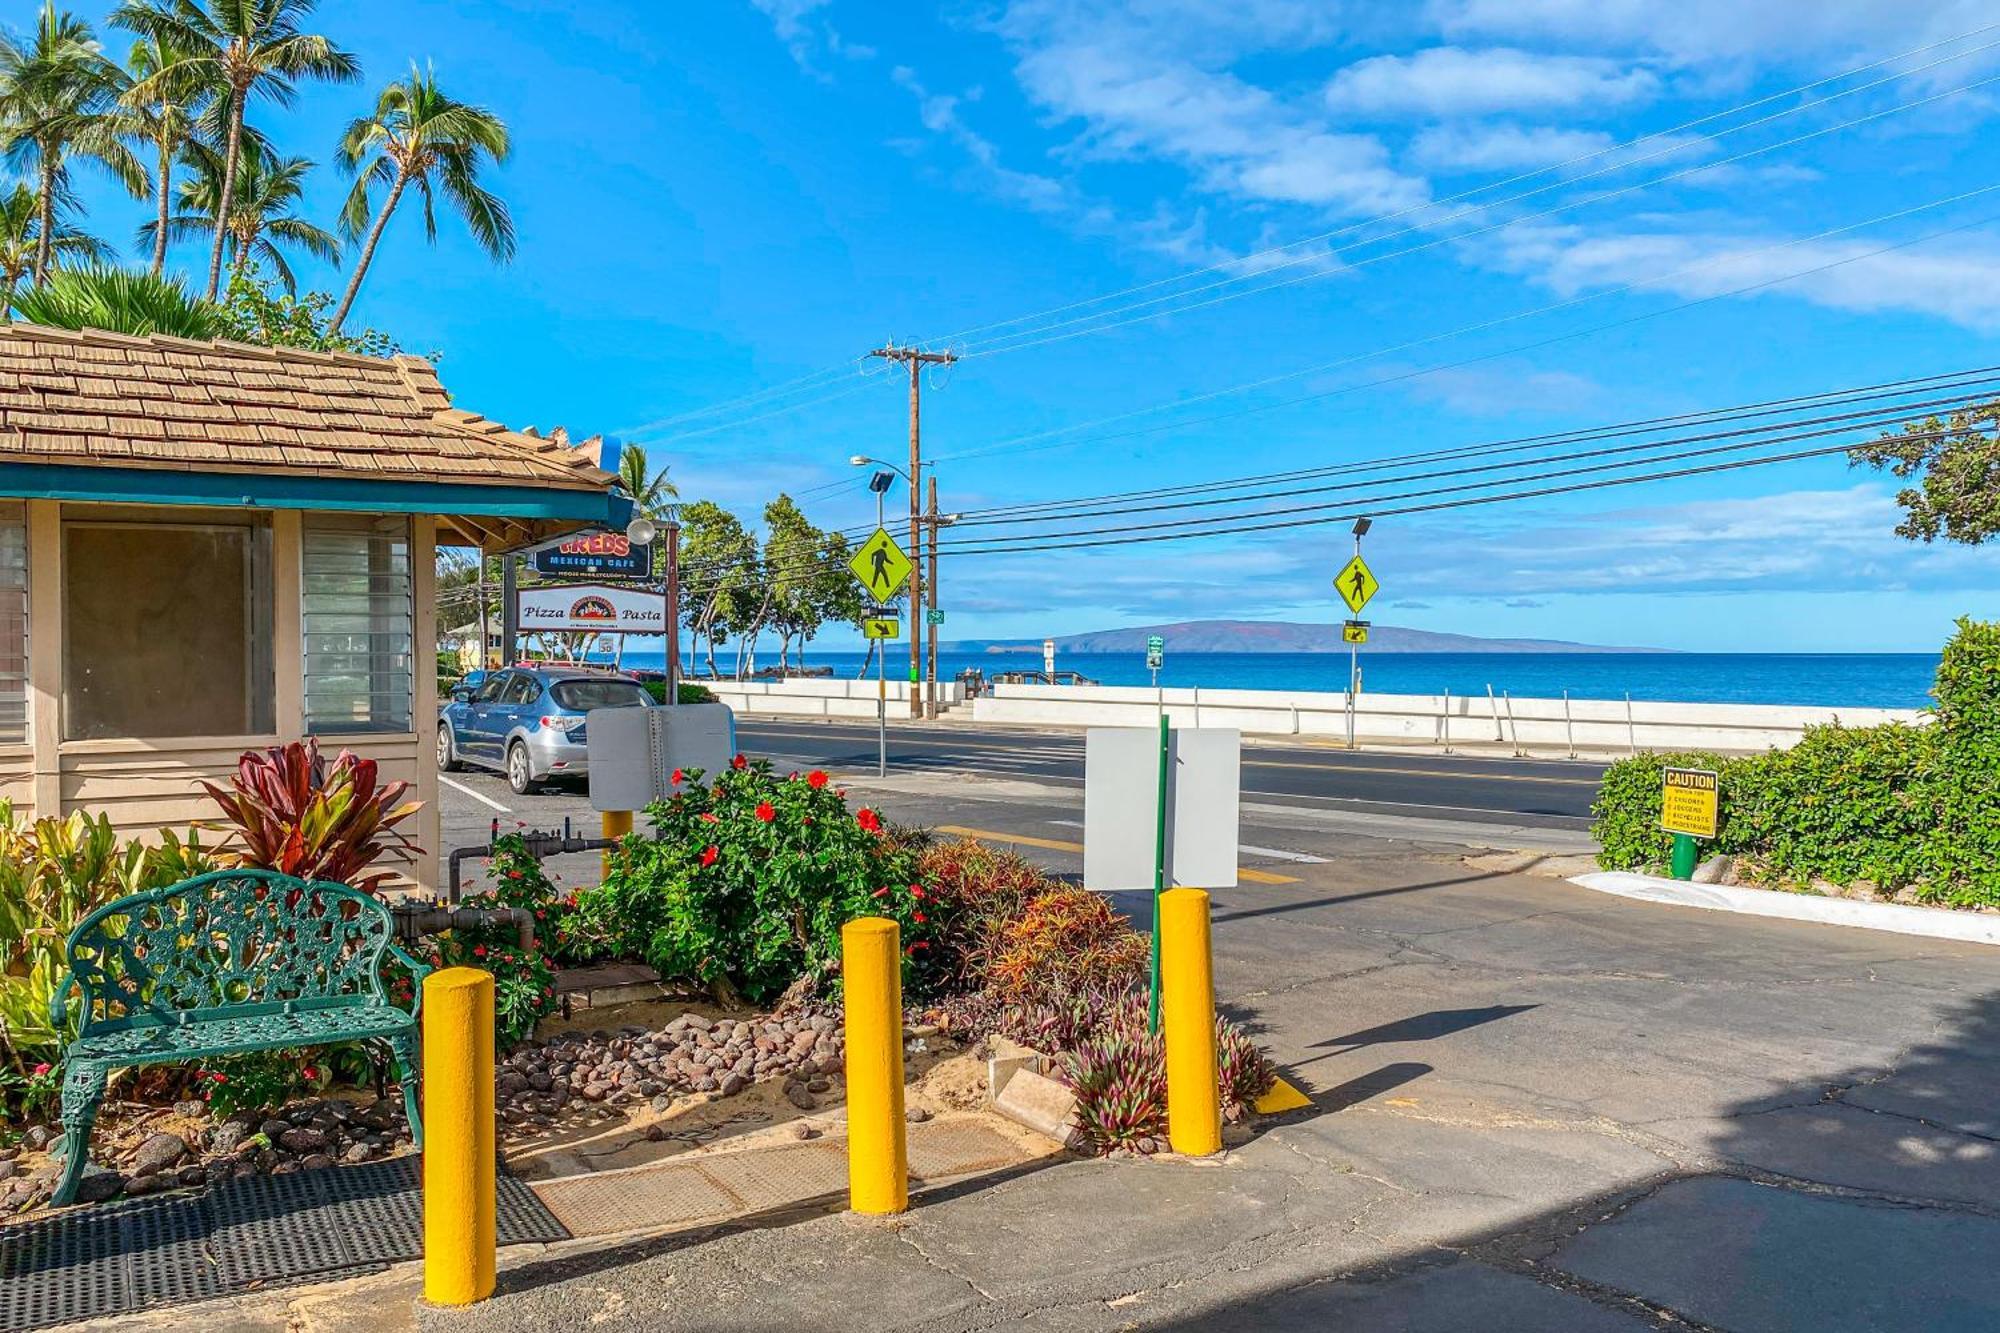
1685	855
1159	875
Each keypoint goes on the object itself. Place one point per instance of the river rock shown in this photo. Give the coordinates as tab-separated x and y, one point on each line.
157	1153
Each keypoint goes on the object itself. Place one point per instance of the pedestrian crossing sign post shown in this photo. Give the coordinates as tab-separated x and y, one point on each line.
1354	631
880	565
1356	585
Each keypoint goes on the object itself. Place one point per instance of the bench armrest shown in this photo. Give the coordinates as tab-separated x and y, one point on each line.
59	1002
418	971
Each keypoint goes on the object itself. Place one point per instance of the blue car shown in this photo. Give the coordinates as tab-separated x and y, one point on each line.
528	722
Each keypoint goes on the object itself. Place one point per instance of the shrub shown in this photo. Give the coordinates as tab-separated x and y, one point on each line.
748	877
689	692
1062	941
1964	846
259	1081
287	809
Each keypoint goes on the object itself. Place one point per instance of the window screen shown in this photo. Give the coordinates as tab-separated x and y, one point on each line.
359	624
13	624
166	630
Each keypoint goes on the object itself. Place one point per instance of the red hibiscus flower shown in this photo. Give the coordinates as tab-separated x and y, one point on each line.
739	762
917	917
766	812
709	853
917	892
679	777
869	820
816	779
710	817
41	1069
479	951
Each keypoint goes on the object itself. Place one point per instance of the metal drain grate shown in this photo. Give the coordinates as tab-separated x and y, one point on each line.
261	1231
946	1148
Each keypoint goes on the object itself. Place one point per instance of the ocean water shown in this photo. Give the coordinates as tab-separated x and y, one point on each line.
1851	680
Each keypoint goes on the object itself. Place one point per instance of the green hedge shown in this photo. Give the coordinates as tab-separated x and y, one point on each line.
1896	807
689	693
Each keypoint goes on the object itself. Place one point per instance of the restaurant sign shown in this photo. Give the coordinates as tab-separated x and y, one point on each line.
596	553
582	606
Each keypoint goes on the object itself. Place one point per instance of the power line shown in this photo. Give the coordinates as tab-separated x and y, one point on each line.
1030	443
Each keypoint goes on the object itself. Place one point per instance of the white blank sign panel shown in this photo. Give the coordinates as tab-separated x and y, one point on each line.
1120	791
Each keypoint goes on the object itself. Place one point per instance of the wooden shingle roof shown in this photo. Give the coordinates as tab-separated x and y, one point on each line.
103	399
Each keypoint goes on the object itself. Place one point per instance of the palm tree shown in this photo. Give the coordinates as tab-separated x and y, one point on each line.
653	493
161	107
120	301
419	136
56	94
20	242
267	189
246	49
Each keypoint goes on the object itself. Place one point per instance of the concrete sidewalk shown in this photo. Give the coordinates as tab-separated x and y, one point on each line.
1536	1109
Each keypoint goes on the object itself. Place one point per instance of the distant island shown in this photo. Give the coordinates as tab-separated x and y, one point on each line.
1277	636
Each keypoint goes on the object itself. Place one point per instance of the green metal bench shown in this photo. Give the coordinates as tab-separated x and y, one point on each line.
226	963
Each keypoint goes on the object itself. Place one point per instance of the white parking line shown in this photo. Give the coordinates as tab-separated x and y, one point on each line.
480	797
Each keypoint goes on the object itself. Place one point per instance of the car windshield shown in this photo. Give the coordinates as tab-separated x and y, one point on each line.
580	696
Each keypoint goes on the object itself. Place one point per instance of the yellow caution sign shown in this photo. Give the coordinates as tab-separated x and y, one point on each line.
881	566
1690	801
1356	584
881	629
1354	631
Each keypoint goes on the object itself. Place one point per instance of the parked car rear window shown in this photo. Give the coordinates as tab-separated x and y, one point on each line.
580	696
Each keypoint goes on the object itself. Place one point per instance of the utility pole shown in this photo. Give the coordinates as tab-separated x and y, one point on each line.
930	615
915	359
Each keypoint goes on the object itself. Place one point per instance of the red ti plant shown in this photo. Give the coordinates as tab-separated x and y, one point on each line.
287	809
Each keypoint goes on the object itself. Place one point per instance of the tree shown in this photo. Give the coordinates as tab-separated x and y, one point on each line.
790	558
720	557
260	218
1955	460
419	136
20	241
257	313
57	93
161	106
245	49
653	493
119	301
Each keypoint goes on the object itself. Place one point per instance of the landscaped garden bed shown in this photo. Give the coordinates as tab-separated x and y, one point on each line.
735	894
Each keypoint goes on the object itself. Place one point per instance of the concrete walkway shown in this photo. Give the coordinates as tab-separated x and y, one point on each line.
1537	1108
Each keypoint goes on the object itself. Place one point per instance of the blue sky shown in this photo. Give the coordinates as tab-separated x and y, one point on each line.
715	200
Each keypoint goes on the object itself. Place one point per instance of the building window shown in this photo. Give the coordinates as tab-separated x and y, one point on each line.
359	622
166	629
13	624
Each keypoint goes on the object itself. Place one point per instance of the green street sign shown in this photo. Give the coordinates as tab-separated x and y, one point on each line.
934	617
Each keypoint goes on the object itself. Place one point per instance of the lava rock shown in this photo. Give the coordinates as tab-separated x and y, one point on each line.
228	1136
797	1095
318	1161
916	1115
192	1174
37	1137
158	1153
303	1141
98	1185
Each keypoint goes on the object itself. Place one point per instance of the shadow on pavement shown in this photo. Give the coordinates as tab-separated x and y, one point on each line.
1422	1027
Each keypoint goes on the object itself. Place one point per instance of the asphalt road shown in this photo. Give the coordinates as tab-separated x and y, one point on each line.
1540	793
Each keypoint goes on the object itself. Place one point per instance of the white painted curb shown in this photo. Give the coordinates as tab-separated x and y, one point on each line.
1936	922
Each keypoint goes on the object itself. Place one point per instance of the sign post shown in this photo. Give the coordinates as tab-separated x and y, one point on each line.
1690	808
881	567
1156	656
1049	659
1356	585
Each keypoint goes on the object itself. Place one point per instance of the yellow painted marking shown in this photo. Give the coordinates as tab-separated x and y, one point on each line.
1282	1097
1244	873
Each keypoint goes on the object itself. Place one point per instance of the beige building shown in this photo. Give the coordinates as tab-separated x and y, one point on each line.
211	547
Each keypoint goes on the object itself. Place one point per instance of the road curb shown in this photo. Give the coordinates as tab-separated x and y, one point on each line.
1937	923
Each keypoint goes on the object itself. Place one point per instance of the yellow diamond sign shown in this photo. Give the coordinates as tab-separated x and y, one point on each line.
1356	584
880	565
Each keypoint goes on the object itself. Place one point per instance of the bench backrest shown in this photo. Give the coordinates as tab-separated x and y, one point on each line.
240	941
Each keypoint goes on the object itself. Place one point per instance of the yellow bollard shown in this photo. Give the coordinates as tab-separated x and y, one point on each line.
459	1238
878	1154
617	823
1187	989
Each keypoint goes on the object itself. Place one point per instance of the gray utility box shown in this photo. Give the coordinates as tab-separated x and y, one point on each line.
1121	793
635	751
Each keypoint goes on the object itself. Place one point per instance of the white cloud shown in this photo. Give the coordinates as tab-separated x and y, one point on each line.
1504	387
1504	147
797	24
1152	83
1959	282
1444	81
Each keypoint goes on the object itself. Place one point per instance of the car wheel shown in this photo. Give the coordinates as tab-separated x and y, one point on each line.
447	761
520	776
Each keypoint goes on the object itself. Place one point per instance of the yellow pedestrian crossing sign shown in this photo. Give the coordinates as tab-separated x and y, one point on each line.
881	566
881	629
1356	584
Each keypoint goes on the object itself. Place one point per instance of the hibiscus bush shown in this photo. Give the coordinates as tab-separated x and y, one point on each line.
747	878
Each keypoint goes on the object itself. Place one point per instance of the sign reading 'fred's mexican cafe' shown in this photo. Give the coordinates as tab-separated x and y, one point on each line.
1690	801
593	607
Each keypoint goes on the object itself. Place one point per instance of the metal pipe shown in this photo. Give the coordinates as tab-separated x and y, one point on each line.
1499	733
537	845
1569	726
1631	728
428	918
1444	722
1513	725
